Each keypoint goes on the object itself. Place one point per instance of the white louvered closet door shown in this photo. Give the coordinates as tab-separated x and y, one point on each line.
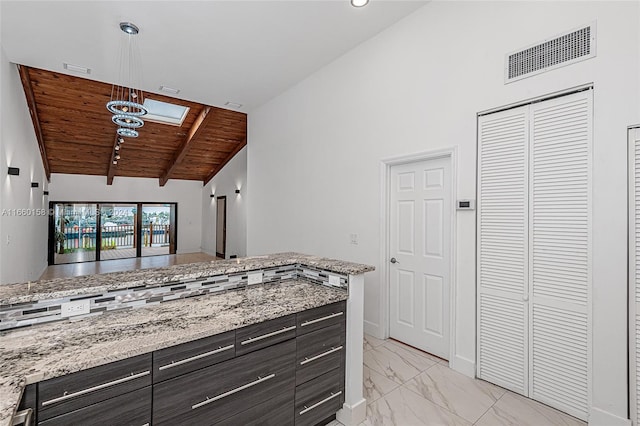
560	252
634	272
502	249
534	250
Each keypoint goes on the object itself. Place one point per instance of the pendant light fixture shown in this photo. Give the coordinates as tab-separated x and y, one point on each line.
127	102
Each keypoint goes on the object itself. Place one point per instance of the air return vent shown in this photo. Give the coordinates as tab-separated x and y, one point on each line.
562	50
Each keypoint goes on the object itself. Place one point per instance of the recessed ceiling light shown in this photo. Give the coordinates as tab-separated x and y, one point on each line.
359	3
233	104
129	28
168	89
76	68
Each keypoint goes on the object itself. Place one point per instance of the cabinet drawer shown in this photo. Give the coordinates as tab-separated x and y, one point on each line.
187	357
320	352
277	411
130	409
220	391
265	334
319	398
321	317
73	391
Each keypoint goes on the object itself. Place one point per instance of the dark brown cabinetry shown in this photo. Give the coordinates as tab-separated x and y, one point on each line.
215	393
285	371
68	393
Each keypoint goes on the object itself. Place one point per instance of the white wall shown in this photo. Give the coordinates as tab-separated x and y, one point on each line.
23	239
188	195
233	176
315	151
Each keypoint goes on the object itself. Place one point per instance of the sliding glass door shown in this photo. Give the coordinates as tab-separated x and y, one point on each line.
118	231
86	232
157	229
74	233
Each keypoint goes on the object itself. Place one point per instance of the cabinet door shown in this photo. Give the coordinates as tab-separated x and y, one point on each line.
323	316
187	357
130	409
502	249
320	352
220	391
267	333
73	391
278	411
319	398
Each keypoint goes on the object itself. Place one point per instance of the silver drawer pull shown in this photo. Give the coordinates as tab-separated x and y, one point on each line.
313	358
321	319
265	336
95	388
194	358
317	404
231	392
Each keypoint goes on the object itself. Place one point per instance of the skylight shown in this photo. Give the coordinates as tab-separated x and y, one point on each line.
163	112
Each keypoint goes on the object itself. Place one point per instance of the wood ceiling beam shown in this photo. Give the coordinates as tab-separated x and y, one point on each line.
225	161
31	103
206	115
111	171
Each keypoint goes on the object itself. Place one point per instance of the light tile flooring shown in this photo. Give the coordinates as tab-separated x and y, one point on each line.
105	266
407	387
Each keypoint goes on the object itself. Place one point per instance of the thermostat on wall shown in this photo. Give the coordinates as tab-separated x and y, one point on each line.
466	205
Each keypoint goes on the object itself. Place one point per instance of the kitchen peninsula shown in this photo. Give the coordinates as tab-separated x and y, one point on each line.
289	325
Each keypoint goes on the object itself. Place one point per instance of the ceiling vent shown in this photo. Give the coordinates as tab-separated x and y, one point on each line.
562	50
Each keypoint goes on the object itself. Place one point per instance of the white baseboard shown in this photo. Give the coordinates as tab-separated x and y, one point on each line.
372	329
598	417
463	365
352	415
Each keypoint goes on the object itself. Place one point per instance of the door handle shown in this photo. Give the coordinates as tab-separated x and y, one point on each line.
393	260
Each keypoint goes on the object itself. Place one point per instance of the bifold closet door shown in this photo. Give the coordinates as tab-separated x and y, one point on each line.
560	252
534	250
634	273
502	249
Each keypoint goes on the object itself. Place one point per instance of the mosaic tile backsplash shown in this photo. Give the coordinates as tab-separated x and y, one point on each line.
49	310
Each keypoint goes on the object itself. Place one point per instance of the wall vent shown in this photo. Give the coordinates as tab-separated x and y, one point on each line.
559	51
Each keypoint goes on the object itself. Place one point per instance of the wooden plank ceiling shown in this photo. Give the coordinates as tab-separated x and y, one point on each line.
76	134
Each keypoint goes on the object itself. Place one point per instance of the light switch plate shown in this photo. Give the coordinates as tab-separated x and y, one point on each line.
254	277
77	307
334	280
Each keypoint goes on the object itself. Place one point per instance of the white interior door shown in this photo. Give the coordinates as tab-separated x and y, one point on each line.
534	250
502	248
634	273
420	268
560	252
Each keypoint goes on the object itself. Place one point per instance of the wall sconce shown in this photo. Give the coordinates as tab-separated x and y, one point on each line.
46	192
14	171
212	195
34	184
237	191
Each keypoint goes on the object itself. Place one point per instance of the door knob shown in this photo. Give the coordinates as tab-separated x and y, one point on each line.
525	298
393	260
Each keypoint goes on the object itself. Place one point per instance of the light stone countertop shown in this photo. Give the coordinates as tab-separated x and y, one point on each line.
83	285
42	352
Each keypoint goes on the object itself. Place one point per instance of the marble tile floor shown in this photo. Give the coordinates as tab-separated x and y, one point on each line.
105	266
407	387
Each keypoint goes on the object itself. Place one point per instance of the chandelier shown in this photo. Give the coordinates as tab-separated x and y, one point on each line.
127	102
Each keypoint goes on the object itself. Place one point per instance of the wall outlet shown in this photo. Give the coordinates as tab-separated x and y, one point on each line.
254	277
334	280
77	307
354	239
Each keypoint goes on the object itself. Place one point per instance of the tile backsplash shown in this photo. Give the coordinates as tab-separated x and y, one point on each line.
49	310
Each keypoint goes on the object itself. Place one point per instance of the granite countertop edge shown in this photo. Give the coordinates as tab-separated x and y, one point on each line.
59	288
236	309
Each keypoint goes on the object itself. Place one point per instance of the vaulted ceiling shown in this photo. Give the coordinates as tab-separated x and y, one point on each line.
214	52
76	134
